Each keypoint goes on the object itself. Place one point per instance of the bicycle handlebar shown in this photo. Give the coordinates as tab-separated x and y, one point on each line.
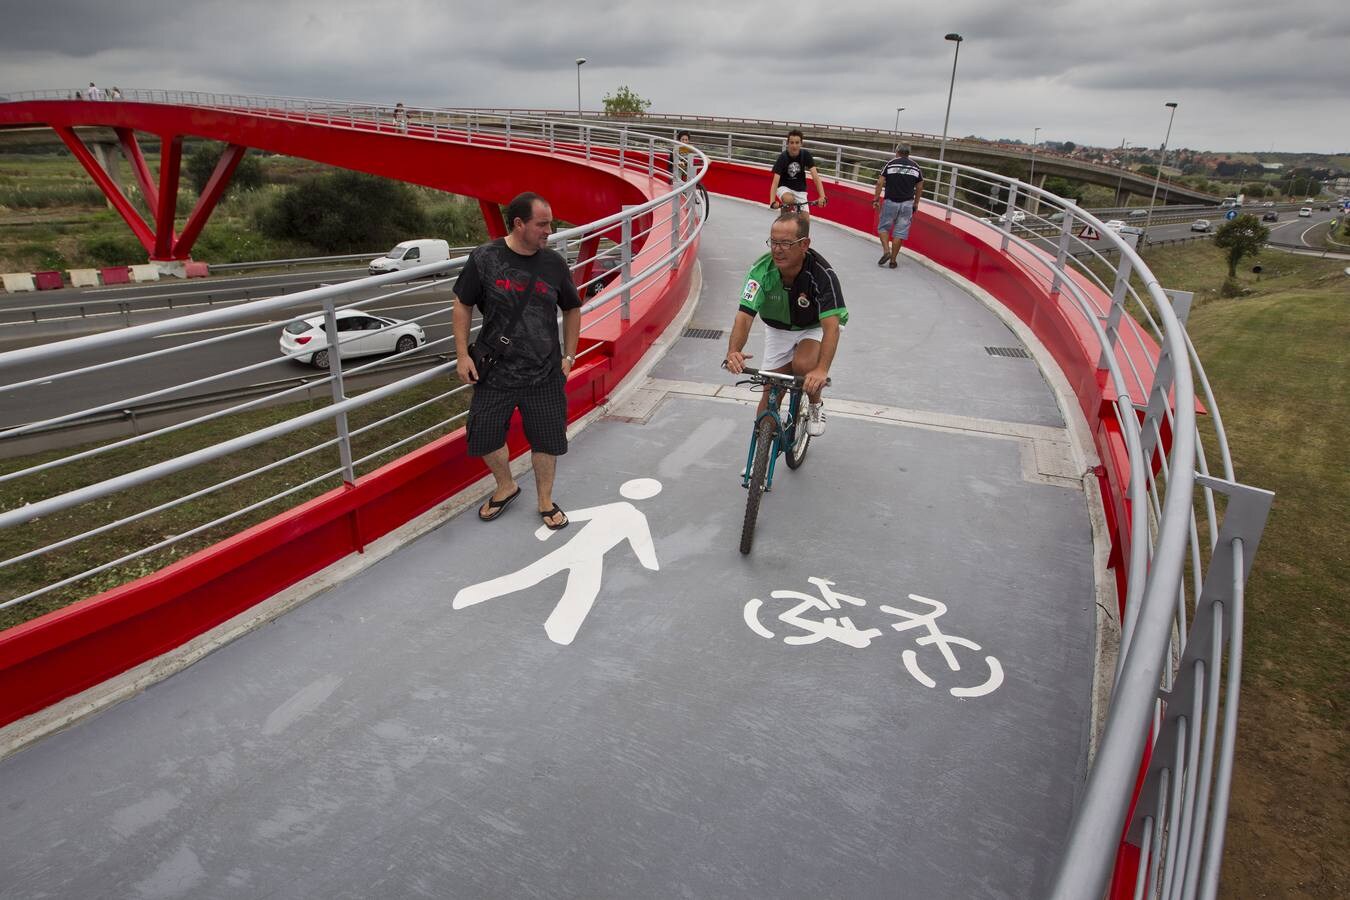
760	376
795	207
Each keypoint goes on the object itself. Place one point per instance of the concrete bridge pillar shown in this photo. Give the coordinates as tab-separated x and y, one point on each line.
109	156
1034	201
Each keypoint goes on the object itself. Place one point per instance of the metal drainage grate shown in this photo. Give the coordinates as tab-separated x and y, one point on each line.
711	334
1008	352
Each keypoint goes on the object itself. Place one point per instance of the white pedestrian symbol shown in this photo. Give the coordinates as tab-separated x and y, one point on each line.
583	557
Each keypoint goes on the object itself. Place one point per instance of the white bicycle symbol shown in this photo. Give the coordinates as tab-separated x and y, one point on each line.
839	628
944	643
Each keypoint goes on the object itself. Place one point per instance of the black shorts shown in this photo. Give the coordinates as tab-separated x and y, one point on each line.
543	411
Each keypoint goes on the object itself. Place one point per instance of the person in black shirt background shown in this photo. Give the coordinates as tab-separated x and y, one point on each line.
902	181
532	368
789	174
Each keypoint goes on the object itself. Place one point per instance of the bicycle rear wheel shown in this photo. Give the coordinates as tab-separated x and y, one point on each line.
703	201
759	475
797	439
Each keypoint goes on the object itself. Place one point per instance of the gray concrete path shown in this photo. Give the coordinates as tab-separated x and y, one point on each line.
630	708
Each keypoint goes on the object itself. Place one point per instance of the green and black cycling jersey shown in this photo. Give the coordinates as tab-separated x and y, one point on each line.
814	294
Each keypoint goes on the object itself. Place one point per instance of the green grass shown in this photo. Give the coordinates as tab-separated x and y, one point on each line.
58	565
1279	360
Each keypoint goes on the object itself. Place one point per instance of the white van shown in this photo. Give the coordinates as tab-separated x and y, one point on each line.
411	253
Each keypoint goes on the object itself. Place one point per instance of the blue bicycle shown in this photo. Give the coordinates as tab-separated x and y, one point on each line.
772	436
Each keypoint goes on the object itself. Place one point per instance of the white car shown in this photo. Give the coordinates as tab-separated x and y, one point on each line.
1017	216
1114	224
1305	212
1200	225
359	334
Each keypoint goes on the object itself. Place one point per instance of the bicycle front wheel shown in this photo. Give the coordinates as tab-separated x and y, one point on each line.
703	201
759	476
797	440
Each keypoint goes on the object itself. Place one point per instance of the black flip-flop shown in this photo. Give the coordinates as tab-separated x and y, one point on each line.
894	264
497	507
555	511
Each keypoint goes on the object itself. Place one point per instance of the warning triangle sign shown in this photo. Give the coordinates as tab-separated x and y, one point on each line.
1088	233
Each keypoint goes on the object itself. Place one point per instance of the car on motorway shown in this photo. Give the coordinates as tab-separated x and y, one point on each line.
1017	216
359	333
1271	216
1201	225
1114	224
1305	212
1138	213
1268	203
1325	207
407	254
606	271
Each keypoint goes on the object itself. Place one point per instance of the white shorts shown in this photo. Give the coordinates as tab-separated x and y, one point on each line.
802	196
780	345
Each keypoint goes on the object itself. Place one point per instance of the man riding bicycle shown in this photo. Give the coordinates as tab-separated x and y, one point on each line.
795	291
788	187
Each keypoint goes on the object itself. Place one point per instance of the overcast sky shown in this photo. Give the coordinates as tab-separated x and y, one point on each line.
1248	75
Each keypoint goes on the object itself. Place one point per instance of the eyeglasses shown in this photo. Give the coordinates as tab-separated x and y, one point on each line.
783	245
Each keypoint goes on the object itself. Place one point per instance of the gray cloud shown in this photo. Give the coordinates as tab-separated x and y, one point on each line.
1247	74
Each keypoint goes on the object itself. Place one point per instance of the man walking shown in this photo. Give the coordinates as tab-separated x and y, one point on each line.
519	284
902	181
789	175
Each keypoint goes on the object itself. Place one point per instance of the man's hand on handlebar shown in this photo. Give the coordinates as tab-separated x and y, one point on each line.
735	361
815	380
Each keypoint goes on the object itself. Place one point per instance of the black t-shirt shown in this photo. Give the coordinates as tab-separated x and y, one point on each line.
495	279
901	174
792	171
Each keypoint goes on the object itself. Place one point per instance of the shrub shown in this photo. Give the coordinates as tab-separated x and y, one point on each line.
112	249
201	162
345	212
461	224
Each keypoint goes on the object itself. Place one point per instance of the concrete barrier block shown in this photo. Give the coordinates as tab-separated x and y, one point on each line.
18	281
48	281
145	273
84	277
197	270
115	275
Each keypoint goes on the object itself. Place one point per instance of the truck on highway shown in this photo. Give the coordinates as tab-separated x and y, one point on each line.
1233	202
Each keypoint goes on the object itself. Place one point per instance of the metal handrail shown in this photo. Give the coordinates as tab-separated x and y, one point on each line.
1170	670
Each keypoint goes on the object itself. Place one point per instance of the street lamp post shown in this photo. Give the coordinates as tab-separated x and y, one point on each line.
1162	158
898	111
942	148
581	61
1120	181
1031	179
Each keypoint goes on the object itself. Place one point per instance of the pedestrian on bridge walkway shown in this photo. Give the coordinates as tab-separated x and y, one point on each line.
519	284
901	180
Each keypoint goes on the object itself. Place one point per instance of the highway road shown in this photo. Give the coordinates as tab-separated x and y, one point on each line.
46	400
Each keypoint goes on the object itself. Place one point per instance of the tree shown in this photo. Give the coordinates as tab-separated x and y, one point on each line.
1063	187
1241	238
1254	189
345	212
624	102
201	163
